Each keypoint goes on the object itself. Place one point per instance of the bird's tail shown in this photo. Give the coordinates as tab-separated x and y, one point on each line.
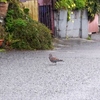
60	60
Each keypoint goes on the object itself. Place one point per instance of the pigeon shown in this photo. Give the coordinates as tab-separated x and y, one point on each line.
54	59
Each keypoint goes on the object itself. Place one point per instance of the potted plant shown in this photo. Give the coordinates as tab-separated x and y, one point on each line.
3	8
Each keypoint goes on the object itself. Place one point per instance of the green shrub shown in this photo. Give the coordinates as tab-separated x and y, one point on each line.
2	32
23	32
80	4
32	35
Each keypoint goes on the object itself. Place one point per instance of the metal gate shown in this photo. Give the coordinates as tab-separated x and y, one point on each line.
46	14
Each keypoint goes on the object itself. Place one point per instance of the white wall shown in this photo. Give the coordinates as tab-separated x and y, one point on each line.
85	24
60	23
71	28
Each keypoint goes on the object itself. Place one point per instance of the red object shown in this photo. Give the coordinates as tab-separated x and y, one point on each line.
1	42
93	26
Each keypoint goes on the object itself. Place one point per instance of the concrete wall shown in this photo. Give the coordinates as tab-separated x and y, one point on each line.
99	22
85	24
60	23
76	27
73	26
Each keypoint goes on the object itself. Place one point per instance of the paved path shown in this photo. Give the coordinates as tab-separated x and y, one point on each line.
29	75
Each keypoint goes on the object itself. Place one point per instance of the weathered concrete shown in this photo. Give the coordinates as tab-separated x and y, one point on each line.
29	75
60	23
76	27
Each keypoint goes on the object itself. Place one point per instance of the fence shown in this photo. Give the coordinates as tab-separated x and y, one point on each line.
32	5
41	10
46	13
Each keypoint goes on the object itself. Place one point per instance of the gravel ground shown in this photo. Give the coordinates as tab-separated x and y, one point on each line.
29	75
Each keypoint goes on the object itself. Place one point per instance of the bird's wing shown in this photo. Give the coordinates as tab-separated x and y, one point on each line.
54	58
